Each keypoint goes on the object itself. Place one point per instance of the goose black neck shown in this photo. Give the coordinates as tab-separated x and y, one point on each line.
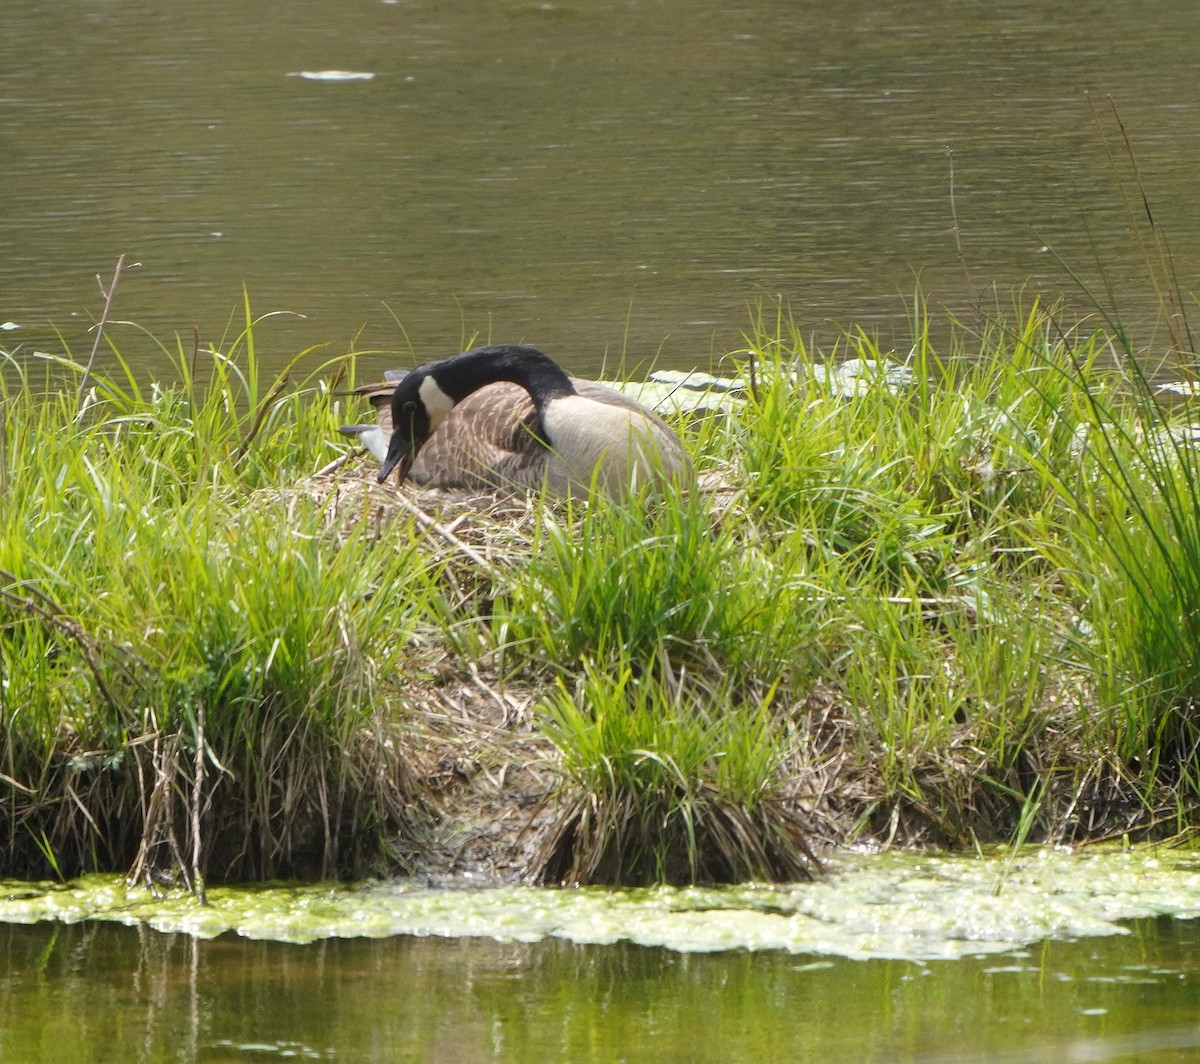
463	374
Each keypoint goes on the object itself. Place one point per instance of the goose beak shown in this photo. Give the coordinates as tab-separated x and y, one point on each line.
399	457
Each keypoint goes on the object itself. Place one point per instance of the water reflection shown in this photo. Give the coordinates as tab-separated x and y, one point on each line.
598	178
103	992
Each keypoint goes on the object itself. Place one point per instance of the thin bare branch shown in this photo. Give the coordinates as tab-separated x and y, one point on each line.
48	611
86	380
261	416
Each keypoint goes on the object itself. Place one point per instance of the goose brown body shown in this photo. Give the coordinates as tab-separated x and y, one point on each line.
507	417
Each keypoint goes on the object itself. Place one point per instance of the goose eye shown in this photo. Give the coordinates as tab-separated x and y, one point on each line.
410	407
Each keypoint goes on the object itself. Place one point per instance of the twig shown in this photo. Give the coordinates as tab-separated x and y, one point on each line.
108	300
896	600
197	794
956	229
17	784
261	416
157	827
505	707
52	614
434	525
195	357
338	462
1171	304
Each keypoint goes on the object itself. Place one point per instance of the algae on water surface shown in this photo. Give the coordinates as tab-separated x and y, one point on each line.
892	905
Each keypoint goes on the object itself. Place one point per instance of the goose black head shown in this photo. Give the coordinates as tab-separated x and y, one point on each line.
411	427
418	407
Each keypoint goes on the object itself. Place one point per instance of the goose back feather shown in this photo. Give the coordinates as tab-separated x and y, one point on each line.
495	438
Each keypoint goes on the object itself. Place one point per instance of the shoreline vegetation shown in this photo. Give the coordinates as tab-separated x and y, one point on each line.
951	599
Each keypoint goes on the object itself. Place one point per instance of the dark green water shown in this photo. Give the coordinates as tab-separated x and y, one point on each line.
599	177
847	969
102	992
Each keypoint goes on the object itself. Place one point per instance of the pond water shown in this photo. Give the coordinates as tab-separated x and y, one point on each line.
605	179
101	992
1036	956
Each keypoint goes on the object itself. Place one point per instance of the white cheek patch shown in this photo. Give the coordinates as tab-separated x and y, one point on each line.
437	403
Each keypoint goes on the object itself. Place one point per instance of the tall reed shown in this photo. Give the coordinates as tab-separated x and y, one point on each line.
197	666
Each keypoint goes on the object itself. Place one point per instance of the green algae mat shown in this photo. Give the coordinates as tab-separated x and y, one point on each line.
895	905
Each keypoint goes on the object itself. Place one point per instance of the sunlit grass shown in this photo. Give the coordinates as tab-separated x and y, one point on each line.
951	598
930	543
668	785
608	581
1132	559
195	664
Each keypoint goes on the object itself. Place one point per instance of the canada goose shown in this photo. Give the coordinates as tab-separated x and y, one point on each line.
505	416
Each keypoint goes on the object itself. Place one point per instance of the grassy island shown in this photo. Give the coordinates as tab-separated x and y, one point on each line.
950	599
